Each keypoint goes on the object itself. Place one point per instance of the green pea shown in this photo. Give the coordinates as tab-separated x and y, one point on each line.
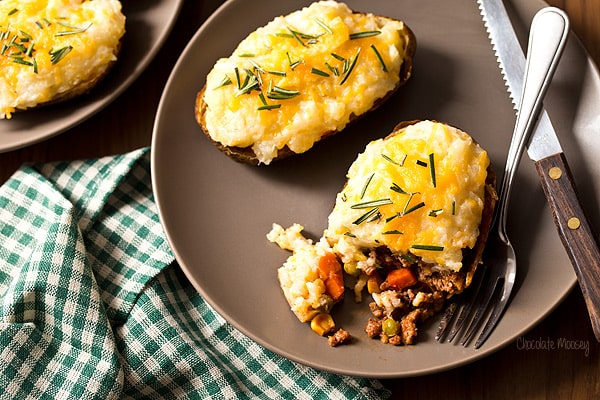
390	327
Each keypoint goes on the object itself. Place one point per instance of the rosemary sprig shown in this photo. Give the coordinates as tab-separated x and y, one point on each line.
413	208
365	34
334	70
379	57
427	247
350	67
323	25
74	30
432	169
396	188
58	54
435	213
293	64
369	215
393	232
364	189
372	203
317	71
389	159
279	93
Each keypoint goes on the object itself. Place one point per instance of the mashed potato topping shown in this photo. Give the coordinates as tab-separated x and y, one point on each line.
419	192
302	75
302	285
49	47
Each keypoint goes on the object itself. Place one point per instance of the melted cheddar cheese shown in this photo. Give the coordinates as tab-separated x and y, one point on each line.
49	47
419	192
300	76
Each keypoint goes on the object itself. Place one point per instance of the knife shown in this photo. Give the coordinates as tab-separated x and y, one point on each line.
544	149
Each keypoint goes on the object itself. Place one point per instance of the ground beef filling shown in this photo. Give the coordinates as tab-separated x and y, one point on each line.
397	310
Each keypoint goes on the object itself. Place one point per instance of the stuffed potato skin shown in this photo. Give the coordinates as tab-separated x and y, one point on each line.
302	77
55	50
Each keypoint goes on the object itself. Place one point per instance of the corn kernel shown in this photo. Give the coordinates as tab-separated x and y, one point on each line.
322	324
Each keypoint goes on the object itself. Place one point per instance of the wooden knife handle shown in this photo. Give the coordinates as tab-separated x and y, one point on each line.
574	230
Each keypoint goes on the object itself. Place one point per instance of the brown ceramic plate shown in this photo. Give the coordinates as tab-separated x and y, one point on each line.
216	212
148	24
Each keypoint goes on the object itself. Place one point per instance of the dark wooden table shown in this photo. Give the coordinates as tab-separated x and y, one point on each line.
515	372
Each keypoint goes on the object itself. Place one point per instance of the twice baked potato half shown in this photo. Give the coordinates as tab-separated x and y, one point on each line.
409	227
300	78
53	51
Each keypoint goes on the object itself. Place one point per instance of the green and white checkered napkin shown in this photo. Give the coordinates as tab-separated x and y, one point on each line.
92	305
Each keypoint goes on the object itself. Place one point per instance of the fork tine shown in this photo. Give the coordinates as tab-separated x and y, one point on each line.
446	320
496	312
483	301
467	304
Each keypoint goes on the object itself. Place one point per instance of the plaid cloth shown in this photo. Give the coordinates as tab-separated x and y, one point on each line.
92	305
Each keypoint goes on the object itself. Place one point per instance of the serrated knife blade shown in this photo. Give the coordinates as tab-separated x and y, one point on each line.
551	164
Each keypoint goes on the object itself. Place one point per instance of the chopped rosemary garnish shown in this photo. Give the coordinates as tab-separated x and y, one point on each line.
334	70
435	213
378	55
278	73
261	96
454	208
393	232
250	83
279	93
432	169
351	67
421	163
372	213
265	105
323	25
399	163
268	107
350	234
299	36
372	203
427	247
295	63
396	188
20	60
338	57
75	30
365	34
13	11
364	189
413	208
317	71
43	23
257	67
225	82
247	55
237	78
59	54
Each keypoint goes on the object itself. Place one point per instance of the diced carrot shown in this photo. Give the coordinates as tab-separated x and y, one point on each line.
330	271
401	278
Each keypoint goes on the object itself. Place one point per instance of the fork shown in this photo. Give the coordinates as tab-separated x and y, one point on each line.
492	285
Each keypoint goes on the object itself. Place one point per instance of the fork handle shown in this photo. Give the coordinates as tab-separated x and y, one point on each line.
574	230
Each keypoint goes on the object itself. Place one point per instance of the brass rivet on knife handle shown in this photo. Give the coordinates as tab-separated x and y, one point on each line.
575	231
555	173
573	223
